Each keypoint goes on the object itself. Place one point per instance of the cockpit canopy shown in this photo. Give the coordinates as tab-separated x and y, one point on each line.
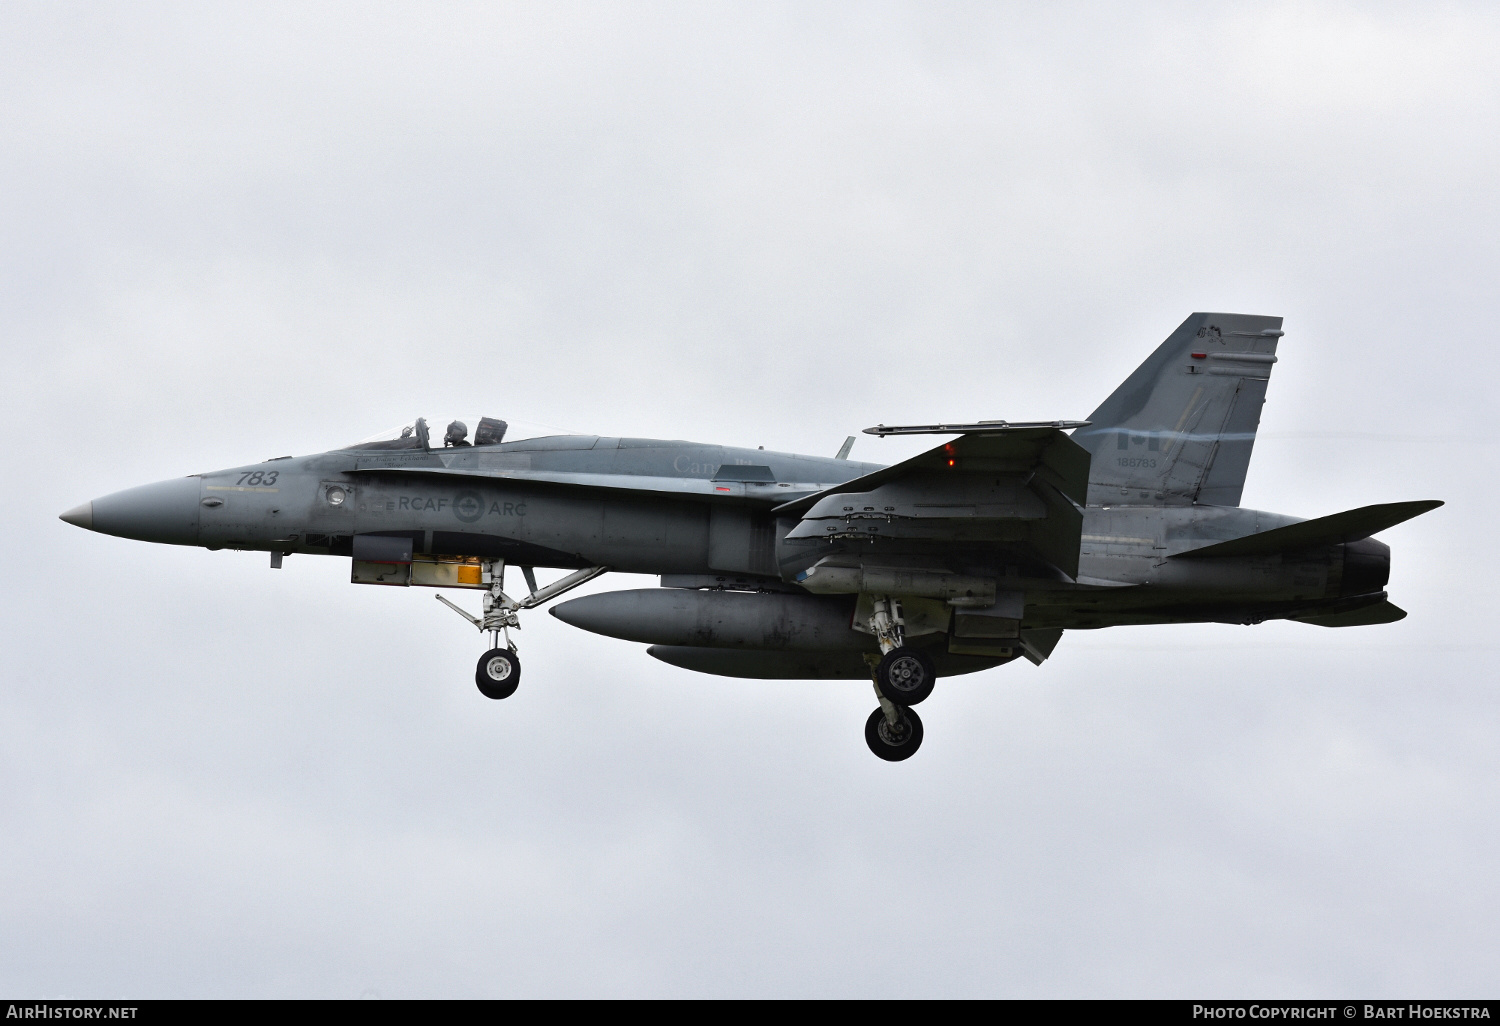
454	434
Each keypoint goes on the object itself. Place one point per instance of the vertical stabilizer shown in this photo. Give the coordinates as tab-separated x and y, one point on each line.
1180	430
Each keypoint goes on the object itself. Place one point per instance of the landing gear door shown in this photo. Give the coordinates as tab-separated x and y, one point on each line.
382	559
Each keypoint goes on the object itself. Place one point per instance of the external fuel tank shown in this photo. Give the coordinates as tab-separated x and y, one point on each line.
767	621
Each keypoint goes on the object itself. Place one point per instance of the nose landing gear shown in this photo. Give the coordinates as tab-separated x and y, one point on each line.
499	671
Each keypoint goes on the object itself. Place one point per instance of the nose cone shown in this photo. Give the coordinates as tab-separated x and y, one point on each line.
166	511
80	516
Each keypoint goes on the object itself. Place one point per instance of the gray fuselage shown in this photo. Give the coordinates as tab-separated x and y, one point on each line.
677	508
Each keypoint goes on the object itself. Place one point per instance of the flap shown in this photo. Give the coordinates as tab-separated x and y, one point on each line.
1351	525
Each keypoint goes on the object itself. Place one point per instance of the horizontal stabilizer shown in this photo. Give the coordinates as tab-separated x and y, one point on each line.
1379	612
1351	525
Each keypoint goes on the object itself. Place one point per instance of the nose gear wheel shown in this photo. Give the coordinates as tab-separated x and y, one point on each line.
498	673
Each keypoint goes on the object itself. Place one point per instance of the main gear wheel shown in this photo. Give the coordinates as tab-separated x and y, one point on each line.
894	741
905	675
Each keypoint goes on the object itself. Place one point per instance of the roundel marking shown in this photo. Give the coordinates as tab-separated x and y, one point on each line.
468	506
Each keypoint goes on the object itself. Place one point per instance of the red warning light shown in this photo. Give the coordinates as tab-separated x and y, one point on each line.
952	462
1200	356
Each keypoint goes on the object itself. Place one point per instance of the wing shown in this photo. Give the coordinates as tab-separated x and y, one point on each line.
999	490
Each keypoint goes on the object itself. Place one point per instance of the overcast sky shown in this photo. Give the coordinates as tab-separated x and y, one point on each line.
231	232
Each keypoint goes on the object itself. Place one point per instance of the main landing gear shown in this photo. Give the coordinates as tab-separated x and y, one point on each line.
903	677
499	671
894	741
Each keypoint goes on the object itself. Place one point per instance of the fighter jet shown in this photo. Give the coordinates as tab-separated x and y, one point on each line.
978	552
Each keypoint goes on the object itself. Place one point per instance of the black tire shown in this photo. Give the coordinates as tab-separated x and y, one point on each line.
906	675
498	673
894	745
